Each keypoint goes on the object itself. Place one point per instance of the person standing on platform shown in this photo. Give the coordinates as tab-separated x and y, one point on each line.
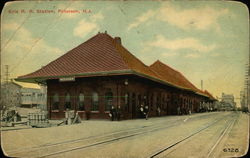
112	113
146	110
178	110
142	110
159	111
118	113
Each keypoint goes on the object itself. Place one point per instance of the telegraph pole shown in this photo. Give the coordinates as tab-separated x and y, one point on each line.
246	90
247	82
7	74
6	88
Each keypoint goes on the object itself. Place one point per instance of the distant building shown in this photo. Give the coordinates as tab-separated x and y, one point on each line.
227	102
43	98
10	94
30	97
14	95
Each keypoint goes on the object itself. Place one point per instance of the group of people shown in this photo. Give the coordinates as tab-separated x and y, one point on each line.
144	111
183	111
115	114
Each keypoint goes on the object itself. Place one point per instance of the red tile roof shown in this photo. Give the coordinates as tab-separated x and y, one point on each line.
101	55
210	95
172	76
98	54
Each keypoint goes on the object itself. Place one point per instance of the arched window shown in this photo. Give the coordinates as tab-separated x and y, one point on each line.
67	102
108	100
55	102
81	106
95	99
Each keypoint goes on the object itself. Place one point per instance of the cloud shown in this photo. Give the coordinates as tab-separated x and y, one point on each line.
192	55
169	54
215	54
184	43
10	26
21	37
24	40
195	18
84	27
97	16
24	52
141	19
44	47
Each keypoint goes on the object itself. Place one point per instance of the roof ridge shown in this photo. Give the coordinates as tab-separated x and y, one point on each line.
167	66
76	49
117	45
176	72
58	58
114	44
120	48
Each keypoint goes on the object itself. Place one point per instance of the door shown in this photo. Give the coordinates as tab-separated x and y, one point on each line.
133	106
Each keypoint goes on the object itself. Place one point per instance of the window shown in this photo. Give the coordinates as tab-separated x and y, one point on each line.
67	103
126	101
158	100
55	102
95	106
81	106
108	100
164	102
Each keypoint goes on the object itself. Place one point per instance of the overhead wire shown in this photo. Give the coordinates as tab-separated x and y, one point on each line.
46	30
19	27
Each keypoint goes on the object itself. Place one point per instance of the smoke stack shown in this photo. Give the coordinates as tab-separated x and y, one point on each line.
118	40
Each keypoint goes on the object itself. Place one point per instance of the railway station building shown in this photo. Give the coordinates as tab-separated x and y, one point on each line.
101	73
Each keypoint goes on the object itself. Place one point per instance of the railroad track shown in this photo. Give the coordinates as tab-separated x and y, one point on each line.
227	129
63	147
184	140
104	134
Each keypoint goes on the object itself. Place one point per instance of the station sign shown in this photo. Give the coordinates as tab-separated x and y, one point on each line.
67	79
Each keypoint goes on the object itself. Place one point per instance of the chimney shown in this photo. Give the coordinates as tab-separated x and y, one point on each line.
118	40
105	32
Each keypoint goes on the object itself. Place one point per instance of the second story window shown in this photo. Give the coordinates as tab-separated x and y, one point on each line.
126	101
67	102
81	106
55	102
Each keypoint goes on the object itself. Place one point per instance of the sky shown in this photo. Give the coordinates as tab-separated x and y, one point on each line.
204	40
